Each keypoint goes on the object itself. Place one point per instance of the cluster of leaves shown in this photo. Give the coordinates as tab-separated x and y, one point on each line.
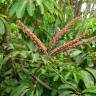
20	6
24	71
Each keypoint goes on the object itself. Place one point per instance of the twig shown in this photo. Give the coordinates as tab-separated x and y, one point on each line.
41	82
38	80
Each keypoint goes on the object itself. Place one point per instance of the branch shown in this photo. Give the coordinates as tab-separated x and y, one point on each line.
37	80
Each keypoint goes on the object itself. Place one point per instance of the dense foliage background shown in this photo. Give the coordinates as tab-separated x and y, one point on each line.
25	70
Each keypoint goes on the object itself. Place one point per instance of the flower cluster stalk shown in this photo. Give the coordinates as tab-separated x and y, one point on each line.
32	36
59	34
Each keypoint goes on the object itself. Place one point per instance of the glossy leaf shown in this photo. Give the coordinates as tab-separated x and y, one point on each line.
41	8
87	78
19	91
39	2
49	6
90	89
75	53
30	7
21	8
92	71
66	93
13	9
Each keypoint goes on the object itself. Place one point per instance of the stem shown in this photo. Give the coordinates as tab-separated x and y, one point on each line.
36	40
38	80
62	78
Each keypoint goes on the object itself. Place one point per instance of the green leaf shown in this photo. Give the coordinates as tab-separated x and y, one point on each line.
1	60
87	78
2	28
45	58
19	91
56	78
92	71
11	82
2	1
54	92
55	4
49	6
77	76
67	75
21	8
65	93
75	52
30	7
39	2
88	94
22	53
90	89
23	93
36	57
67	86
32	93
37	93
42	8
6	25
12	9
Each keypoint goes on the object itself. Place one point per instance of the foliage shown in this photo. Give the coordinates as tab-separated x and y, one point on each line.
25	70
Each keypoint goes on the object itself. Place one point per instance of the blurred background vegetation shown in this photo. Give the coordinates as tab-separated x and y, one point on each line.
24	70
